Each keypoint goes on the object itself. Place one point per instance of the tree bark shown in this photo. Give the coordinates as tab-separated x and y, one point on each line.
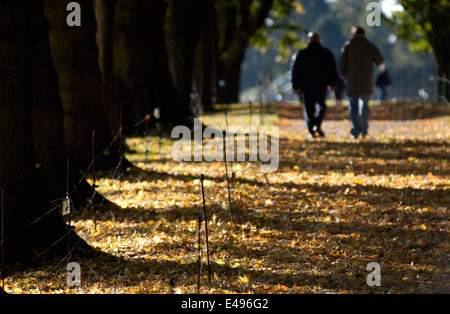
48	120
105	13
206	60
141	64
440	40
30	223
75	55
185	21
237	23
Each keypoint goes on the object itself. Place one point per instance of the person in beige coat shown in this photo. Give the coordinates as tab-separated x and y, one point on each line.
356	66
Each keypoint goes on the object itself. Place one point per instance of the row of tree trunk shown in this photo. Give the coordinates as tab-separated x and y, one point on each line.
33	153
59	83
169	49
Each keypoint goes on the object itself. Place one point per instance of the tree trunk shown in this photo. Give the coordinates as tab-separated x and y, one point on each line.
75	55
30	223
141	64
184	23
48	120
105	13
440	41
206	59
237	22
230	73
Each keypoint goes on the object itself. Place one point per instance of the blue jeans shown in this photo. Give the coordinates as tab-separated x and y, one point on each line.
359	114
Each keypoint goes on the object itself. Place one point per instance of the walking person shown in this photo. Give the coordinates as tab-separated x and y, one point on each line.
356	66
384	83
339	90
314	70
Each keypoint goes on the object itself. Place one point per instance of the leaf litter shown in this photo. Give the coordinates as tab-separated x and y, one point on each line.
334	206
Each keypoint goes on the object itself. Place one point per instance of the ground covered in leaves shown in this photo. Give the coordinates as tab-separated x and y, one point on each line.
334	206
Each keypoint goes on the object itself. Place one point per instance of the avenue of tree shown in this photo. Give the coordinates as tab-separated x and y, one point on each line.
59	83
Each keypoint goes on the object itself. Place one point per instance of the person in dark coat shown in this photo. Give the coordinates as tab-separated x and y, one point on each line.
314	70
339	90
356	66
384	83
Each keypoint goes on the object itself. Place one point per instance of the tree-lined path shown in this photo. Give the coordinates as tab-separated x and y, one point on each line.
92	201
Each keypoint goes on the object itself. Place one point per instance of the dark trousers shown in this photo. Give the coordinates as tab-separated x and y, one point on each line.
311	97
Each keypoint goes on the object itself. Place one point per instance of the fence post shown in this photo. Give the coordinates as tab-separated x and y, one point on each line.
147	118
231	161
94	186
226	171
199	262
206	229
2	273
444	92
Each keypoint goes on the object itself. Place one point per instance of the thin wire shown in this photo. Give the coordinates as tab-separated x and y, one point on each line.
66	256
48	249
75	188
31	223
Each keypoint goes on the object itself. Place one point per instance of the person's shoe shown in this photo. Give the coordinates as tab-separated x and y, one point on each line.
320	132
311	136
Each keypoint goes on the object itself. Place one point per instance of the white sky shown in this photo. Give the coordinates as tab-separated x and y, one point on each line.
389	6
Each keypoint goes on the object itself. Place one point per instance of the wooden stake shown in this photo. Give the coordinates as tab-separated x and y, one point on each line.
93	179
199	262
2	274
120	145
202	178
67	178
93	161
231	161
226	172
121	135
147	118
70	210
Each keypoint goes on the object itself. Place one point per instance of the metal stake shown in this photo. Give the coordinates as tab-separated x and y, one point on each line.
70	210
226	172
206	229
2	274
93	178
199	262
231	161
147	118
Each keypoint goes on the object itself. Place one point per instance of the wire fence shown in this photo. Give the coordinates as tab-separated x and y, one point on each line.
407	86
64	203
442	88
435	89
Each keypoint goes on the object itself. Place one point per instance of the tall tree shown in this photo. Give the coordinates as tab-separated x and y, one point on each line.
25	176
425	24
75	54
141	63
105	13
237	22
48	123
185	20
